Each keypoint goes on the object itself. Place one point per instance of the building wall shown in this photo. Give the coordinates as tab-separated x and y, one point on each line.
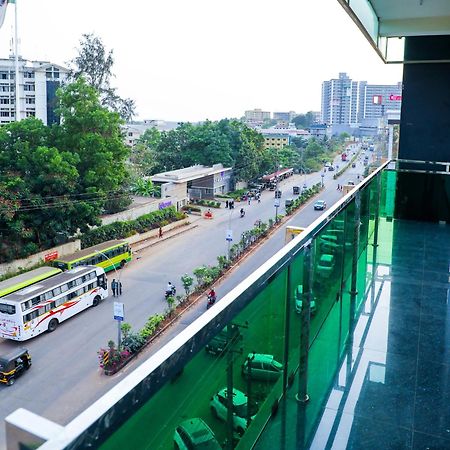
347	102
275	142
38	82
425	130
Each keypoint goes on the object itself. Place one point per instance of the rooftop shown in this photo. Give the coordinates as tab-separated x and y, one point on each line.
189	173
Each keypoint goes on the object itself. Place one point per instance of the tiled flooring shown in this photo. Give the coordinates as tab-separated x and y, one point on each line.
399	397
392	390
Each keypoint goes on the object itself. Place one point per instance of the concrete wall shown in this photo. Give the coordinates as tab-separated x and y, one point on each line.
24	263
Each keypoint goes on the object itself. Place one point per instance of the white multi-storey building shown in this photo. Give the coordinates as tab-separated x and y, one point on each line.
356	104
38	82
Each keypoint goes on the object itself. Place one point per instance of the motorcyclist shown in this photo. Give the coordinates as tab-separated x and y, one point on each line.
212	295
211	298
170	289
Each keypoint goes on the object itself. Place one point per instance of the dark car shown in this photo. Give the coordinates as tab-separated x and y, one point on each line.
296	190
218	344
320	205
259	366
353	165
330	169
278	194
13	365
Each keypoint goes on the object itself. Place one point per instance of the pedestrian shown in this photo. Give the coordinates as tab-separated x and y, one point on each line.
119	287
226	204
160	233
338	188
114	287
259	198
249	199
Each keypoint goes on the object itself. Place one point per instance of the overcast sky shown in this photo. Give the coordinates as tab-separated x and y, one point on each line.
192	60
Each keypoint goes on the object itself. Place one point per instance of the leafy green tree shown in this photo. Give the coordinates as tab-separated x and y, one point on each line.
38	187
94	63
304	120
92	132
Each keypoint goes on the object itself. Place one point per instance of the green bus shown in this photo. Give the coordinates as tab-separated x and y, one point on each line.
26	279
109	256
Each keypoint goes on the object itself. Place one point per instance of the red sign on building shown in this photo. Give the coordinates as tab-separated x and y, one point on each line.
51	256
396	98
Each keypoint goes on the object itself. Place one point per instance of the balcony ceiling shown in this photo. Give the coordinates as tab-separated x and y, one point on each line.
412	17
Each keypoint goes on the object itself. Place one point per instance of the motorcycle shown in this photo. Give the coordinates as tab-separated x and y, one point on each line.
211	301
171	292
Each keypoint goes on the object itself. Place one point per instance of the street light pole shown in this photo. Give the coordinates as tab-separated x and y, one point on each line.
119	329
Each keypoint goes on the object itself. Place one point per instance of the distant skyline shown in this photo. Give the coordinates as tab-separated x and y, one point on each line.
191	61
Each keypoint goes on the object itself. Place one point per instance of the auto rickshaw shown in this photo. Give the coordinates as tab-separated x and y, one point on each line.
13	365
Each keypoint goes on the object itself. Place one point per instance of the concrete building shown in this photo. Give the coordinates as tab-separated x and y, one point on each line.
196	181
284	116
38	82
256	116
276	140
134	130
340	101
356	107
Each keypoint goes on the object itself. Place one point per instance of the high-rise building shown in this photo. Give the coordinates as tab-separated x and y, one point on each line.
38	82
340	101
350	103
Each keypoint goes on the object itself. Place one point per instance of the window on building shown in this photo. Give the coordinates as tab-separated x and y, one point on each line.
31	114
29	87
30	100
4	75
4	101
56	73
4	113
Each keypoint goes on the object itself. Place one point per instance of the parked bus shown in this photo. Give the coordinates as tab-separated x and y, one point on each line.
43	306
13	284
108	255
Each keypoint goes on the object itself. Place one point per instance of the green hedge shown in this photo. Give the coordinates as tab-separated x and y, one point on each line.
122	230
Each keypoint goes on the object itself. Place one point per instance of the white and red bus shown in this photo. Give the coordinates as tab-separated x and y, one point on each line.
44	305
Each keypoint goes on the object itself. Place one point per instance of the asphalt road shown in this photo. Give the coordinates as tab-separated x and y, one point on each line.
65	377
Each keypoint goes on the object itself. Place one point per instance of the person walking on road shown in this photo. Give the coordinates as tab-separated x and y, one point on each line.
160	232
119	287
249	200
114	287
226	204
338	187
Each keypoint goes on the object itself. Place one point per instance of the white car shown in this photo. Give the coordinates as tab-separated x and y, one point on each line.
219	409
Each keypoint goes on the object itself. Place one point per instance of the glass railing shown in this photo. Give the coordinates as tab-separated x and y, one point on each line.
279	335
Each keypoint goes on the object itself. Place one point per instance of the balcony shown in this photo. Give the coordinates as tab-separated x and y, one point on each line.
356	310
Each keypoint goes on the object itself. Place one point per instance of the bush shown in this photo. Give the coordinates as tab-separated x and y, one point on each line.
122	230
151	325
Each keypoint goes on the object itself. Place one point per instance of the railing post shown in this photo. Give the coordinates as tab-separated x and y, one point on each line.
229	351
354	279
288	308
302	394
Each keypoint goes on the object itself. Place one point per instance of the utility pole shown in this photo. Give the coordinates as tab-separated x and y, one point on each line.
16	62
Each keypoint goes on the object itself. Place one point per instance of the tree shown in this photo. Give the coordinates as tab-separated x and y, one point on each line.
304	120
92	132
94	63
39	206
